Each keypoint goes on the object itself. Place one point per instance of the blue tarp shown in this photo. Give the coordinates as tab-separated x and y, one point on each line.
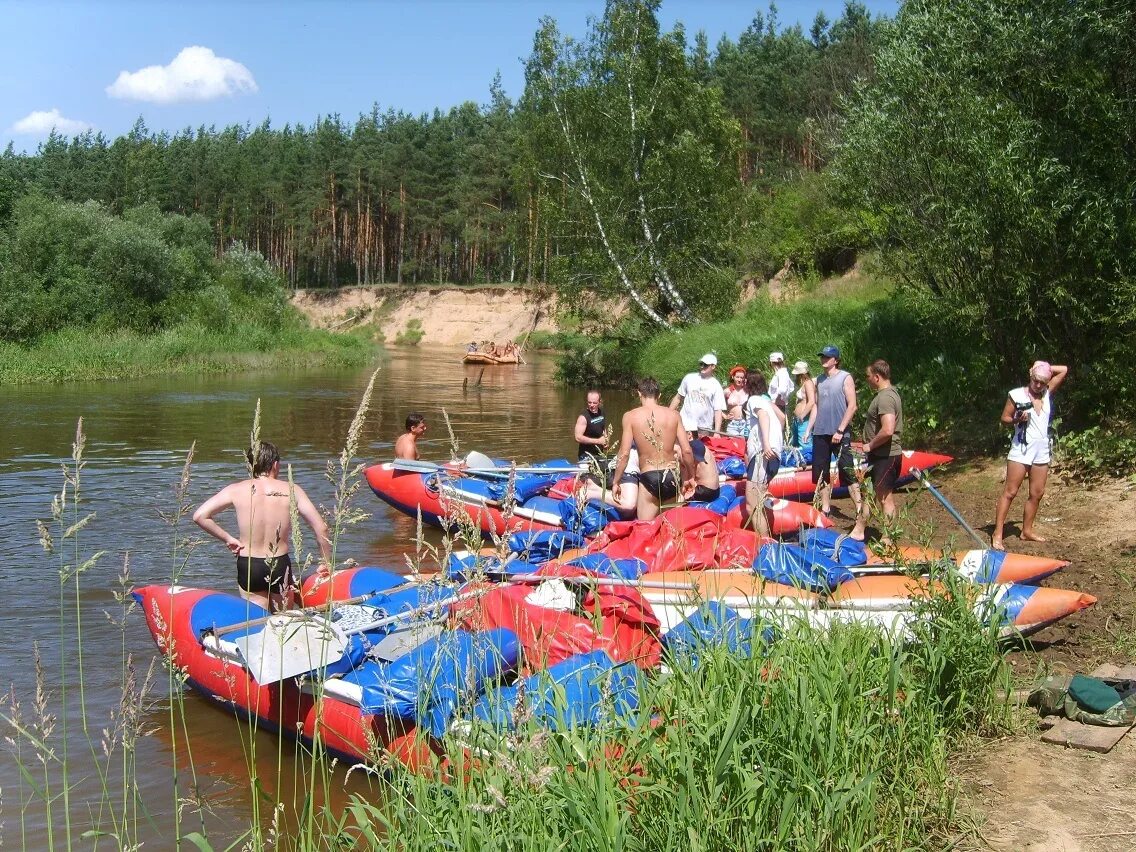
462	568
715	624
719	506
789	564
585	689
733	467
542	546
834	546
595	517
605	566
429	683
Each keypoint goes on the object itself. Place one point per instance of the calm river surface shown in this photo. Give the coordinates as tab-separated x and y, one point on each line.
138	435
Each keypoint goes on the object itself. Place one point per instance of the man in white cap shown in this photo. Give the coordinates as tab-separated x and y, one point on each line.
701	399
781	384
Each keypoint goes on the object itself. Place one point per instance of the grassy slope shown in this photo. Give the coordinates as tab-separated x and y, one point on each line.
947	387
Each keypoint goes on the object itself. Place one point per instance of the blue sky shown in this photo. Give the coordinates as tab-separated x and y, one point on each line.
102	65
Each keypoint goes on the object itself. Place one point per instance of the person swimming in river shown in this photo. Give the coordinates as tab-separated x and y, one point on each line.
264	523
406	447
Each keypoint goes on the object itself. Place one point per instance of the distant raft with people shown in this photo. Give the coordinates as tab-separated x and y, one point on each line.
490	354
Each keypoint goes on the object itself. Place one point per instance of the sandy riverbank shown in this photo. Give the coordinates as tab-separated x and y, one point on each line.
449	316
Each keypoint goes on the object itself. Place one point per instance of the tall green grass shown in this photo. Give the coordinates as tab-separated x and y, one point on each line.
835	741
82	355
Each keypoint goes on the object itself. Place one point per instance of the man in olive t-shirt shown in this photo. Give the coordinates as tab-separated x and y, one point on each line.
883	425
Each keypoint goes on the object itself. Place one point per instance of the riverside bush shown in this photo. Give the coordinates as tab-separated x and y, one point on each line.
949	386
78	354
65	265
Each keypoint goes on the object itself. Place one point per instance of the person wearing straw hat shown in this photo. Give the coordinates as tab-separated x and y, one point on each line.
804	406
736	397
780	385
1027	410
700	401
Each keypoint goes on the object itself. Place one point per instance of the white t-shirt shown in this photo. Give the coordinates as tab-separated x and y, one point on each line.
1035	432
774	432
781	386
701	397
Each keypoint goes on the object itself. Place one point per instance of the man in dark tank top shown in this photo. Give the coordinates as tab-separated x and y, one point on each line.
591	428
835	407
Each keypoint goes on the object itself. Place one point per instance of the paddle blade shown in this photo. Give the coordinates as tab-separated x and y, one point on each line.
479	460
289	646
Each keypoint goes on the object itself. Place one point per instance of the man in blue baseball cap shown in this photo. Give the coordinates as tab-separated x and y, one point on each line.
836	405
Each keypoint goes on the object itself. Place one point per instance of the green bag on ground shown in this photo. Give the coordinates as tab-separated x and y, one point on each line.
1089	700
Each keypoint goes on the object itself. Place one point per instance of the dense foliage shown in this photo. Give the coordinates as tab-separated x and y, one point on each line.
997	147
988	149
458	195
67	265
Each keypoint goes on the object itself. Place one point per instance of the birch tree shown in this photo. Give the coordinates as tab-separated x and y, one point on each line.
635	157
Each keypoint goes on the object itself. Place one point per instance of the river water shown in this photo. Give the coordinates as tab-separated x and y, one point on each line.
138	435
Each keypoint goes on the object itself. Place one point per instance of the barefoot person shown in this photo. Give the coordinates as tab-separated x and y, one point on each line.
655	430
835	406
264	521
1028	409
883	425
406	447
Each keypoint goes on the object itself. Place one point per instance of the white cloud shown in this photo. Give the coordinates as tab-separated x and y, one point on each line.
41	123
196	74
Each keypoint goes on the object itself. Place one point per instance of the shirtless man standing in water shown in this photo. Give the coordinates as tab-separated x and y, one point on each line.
654	430
264	567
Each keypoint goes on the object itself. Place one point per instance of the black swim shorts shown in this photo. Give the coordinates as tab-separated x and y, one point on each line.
702	494
269	575
885	472
822	459
661	484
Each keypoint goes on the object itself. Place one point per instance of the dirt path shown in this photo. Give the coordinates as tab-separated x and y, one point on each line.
1025	794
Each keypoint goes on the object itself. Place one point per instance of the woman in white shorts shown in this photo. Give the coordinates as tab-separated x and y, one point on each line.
1027	410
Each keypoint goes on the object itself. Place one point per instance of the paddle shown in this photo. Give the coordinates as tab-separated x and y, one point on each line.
290	646
602	581
310	610
418	466
922	477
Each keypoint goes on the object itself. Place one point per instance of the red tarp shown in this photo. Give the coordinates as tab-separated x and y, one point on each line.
680	539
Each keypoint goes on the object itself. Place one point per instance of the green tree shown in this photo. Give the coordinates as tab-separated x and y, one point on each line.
636	159
997	146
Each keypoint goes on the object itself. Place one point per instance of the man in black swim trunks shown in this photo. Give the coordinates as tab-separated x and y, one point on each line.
264	520
708	485
655	430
